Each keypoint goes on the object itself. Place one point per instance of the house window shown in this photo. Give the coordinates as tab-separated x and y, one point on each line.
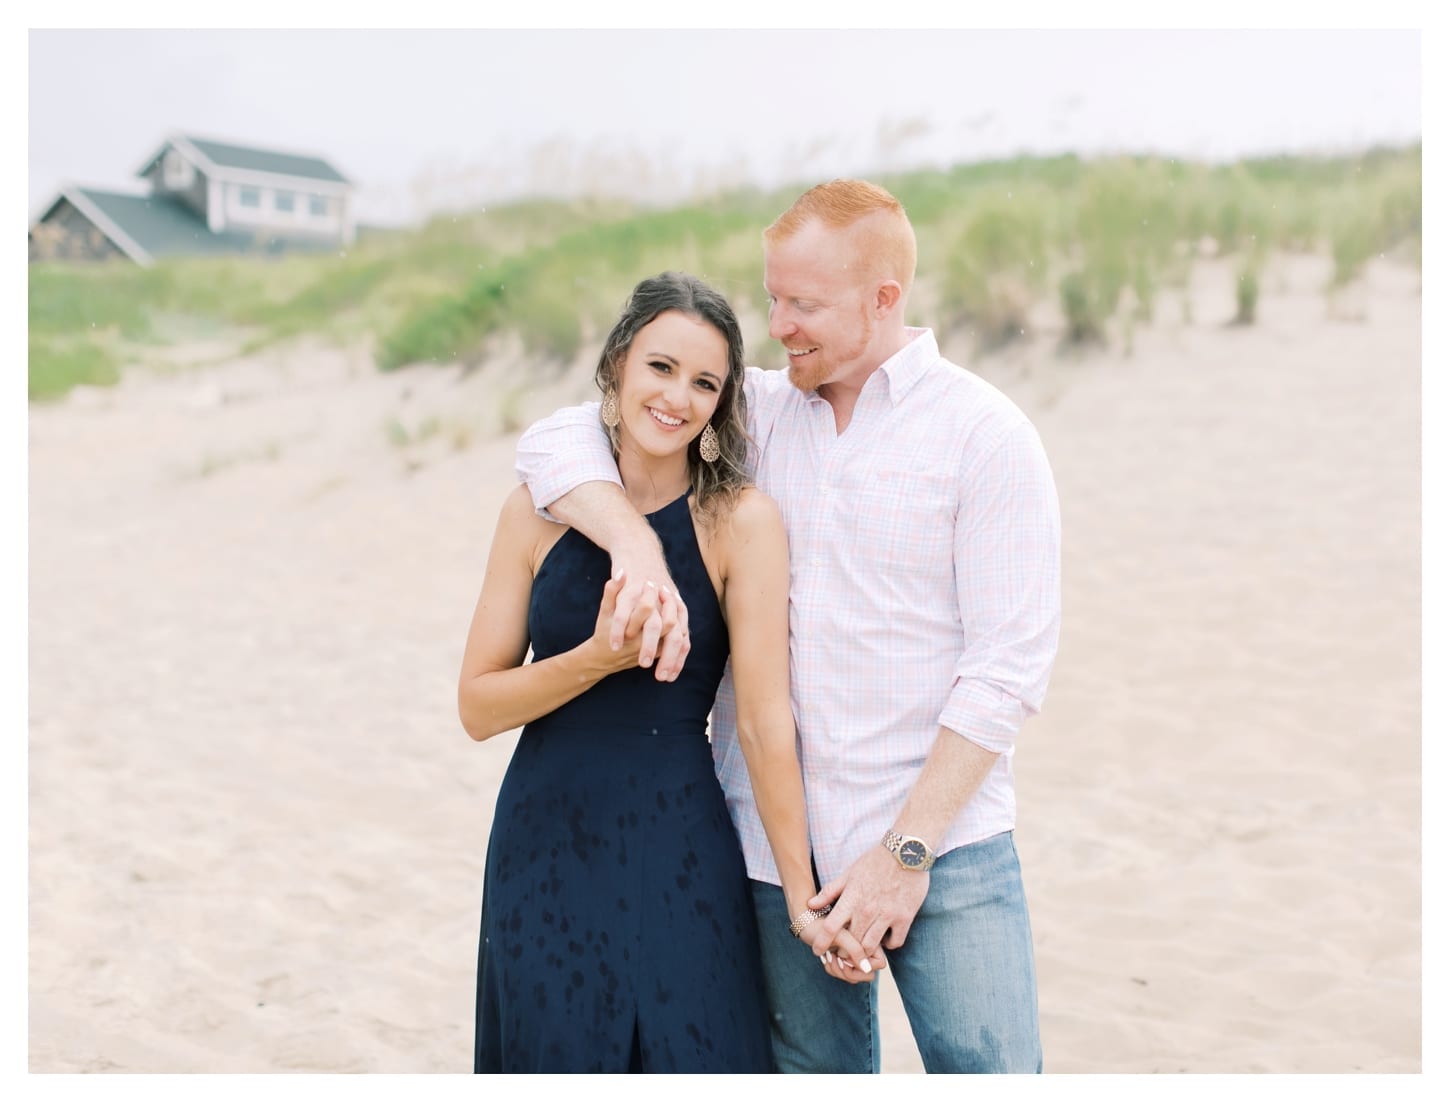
285	202
319	206
249	197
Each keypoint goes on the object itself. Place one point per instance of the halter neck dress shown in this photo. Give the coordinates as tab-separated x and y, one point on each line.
618	932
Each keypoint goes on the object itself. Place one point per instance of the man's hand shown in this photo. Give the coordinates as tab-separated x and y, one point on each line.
648	587
875	901
845	957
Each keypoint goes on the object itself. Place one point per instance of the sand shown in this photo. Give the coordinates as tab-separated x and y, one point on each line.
256	828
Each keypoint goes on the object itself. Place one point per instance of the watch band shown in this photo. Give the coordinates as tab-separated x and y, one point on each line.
805	918
911	853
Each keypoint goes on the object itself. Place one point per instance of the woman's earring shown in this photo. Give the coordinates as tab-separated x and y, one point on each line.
609	412
709	445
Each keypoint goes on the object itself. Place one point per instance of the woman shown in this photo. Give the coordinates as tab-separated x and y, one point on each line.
618	932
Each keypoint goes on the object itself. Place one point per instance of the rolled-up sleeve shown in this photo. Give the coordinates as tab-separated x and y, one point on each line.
1008	552
564	450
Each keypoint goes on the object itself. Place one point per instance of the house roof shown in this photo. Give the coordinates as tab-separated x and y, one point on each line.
148	227
224	155
262	160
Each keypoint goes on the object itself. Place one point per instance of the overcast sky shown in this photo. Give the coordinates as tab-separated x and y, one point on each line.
426	120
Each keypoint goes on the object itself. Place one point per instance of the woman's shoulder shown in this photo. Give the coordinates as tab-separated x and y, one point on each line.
750	538
522	533
753	505
753	513
518	506
519	518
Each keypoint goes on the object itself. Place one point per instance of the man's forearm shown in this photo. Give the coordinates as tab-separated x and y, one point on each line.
876	898
601	511
955	768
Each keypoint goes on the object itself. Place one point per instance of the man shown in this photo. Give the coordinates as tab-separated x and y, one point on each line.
924	612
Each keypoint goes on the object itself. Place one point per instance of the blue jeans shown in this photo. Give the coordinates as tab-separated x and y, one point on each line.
966	977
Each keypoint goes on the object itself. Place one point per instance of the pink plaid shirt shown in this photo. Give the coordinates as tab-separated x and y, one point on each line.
924	588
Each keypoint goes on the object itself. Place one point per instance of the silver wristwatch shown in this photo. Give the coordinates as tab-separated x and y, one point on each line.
910	853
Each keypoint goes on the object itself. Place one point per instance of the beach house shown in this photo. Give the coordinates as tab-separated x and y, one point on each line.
202	197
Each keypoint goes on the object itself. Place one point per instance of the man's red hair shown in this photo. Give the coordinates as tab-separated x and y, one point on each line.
885	242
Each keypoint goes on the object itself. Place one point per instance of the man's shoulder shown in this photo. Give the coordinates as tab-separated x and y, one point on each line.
771	395
764	382
960	390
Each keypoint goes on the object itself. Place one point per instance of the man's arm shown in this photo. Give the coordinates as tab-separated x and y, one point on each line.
1008	534
566	462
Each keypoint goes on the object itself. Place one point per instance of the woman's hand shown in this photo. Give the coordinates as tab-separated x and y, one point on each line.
665	637
600	648
845	959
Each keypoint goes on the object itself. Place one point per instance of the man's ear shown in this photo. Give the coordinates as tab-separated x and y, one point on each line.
888	294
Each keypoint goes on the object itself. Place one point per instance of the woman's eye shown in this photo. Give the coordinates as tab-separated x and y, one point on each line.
706	384
660	366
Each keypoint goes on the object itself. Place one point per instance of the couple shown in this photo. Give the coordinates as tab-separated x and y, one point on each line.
623	926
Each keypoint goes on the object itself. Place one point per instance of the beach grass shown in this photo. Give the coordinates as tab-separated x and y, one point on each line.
57	365
1098	238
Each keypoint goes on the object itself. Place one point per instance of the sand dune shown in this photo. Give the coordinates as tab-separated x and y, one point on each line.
257	829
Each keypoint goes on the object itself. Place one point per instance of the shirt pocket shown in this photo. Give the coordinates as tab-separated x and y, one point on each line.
904	521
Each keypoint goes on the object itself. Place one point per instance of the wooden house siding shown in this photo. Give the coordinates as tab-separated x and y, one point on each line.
67	234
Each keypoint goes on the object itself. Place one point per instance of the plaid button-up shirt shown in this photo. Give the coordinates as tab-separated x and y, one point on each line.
925	588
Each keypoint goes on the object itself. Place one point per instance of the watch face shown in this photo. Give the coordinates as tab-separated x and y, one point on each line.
912	854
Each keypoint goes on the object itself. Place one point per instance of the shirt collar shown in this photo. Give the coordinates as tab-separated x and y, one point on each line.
904	369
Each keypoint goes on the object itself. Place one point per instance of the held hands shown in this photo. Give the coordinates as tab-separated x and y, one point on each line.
610	658
874	903
844	959
648	620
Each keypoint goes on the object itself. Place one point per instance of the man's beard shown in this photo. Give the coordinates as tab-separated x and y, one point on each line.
809	378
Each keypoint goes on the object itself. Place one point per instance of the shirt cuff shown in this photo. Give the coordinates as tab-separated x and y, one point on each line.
984	714
553	458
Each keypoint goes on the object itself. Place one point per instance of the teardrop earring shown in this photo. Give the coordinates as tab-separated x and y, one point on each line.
709	445
609	411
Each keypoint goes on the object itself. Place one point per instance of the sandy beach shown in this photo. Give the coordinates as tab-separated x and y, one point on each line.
256	826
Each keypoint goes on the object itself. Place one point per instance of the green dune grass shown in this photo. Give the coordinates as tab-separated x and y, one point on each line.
1099	238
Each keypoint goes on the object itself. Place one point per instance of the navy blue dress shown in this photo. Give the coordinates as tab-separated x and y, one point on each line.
618	931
